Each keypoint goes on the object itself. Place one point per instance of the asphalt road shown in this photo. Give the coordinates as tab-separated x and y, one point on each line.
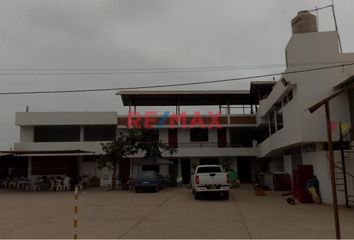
171	213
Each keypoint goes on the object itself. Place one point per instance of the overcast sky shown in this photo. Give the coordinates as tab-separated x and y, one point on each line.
141	34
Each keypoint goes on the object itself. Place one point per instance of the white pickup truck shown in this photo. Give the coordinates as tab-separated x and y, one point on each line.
210	179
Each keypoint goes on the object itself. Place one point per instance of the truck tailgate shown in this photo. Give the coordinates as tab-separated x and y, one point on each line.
212	179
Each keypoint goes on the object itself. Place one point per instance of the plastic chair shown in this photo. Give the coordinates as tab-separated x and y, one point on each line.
59	186
52	184
34	185
179	182
4	183
12	184
66	184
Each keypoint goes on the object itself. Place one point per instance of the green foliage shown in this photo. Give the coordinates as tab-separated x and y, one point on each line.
121	147
226	163
137	140
149	143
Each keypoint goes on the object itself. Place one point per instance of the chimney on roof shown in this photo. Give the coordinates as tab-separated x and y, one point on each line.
304	22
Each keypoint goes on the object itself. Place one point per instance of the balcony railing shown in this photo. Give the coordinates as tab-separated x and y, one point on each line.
208	145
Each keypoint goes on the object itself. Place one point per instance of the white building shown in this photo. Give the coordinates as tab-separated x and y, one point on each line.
295	135
51	140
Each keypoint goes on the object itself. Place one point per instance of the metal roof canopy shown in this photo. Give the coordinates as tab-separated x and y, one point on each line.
342	87
45	153
195	98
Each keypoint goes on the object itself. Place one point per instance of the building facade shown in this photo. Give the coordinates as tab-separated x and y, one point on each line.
265	128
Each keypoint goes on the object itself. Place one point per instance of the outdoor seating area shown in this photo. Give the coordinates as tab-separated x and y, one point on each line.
37	183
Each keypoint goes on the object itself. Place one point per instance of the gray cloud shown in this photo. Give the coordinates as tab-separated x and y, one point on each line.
123	34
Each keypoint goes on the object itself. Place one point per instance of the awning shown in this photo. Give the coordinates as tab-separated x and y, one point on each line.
345	86
186	98
49	153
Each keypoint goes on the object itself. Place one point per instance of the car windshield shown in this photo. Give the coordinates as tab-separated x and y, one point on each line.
147	174
209	169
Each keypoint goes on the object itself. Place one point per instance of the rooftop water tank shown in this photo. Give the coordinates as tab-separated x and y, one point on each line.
304	22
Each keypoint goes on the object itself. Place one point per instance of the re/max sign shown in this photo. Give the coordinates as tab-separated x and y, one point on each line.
150	120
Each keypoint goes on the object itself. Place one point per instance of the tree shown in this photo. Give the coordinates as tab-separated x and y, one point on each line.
137	140
149	143
121	147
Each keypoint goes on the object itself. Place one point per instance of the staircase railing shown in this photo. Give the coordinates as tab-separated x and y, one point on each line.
349	199
345	137
348	135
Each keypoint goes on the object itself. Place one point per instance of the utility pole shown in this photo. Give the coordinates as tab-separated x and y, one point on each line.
331	168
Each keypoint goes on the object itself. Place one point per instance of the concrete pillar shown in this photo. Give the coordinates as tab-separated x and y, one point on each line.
29	167
228	137
275	120
228	112
82	133
179	167
235	164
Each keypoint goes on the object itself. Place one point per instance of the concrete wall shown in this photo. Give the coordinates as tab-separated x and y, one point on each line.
65	118
189	149
319	160
26	134
59	146
321	170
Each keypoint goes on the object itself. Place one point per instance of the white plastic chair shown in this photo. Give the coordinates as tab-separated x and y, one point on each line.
34	185
12	184
179	182
52	184
66	184
59	186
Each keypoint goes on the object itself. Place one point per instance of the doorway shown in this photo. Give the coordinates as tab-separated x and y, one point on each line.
186	170
244	169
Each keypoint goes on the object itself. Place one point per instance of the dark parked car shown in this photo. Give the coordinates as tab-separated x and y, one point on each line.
148	180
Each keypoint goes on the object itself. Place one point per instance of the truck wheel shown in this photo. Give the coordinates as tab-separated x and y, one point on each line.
136	190
196	196
225	195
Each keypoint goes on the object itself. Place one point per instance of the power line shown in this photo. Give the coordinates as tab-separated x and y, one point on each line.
114	71
141	68
174	84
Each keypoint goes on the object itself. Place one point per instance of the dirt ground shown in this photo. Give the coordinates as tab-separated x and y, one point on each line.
171	213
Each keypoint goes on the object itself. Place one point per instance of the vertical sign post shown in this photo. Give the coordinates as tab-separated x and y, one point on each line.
76	209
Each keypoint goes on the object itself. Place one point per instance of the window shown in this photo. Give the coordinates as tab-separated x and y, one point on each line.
272	122
285	100
199	135
155	168
57	133
279	116
242	136
99	133
290	96
209	170
150	136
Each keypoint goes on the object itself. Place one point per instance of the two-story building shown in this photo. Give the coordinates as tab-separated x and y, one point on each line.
70	142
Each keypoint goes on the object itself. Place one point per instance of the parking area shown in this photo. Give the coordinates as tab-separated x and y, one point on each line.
171	213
